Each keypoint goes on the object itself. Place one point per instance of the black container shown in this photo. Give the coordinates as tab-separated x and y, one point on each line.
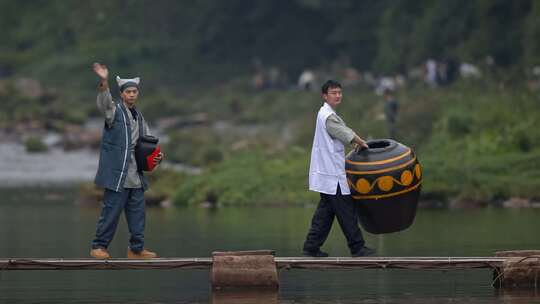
146	150
385	182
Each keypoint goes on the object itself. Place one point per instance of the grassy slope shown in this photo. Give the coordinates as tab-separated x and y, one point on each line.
476	141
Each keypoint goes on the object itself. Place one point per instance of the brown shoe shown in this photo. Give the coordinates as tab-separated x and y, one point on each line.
144	254
100	253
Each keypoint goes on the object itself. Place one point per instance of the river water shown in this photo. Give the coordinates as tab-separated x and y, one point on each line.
41	223
56	167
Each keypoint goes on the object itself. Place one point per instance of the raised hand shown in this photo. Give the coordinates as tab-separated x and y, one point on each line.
101	70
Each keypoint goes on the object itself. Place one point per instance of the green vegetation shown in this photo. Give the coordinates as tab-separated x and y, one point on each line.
486	146
179	43
180	49
476	141
251	177
35	145
164	184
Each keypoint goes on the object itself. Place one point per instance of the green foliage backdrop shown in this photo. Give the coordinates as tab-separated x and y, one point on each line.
192	41
477	139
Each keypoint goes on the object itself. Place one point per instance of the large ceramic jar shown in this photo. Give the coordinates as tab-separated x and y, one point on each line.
385	182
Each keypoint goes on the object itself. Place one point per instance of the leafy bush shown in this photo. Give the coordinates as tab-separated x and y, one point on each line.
484	147
251	177
195	146
34	144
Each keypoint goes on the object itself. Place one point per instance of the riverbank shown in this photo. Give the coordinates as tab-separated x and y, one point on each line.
19	168
477	142
57	170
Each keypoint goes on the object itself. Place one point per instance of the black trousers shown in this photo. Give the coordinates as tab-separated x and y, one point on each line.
341	207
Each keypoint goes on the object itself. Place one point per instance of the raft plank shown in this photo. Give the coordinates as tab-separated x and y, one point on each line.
109	264
418	263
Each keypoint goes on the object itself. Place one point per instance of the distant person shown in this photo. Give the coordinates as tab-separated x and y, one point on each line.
118	174
327	176
306	81
385	83
431	73
391	107
469	70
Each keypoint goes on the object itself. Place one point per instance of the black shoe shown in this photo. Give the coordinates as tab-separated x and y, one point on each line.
364	251
316	254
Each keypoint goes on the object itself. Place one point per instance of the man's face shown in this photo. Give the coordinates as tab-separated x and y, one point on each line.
333	96
129	96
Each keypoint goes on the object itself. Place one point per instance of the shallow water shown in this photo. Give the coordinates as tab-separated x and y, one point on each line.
47	223
21	168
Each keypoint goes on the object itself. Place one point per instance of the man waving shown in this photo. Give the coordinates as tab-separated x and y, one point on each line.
124	184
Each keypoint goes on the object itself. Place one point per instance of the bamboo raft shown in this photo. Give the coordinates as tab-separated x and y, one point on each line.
240	269
418	263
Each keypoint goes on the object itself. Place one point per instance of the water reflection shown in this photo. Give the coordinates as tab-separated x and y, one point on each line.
251	296
515	296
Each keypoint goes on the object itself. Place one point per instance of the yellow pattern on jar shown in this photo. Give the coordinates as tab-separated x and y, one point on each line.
418	171
406	178
363	186
385	183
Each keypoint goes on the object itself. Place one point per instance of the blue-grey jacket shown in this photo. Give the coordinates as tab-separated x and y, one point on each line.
114	154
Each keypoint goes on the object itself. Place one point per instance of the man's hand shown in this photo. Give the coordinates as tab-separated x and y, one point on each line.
359	143
101	70
158	158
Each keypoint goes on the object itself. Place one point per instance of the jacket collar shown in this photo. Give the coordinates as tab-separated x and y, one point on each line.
328	107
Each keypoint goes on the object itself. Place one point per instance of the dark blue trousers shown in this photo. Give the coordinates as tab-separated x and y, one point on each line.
133	204
341	207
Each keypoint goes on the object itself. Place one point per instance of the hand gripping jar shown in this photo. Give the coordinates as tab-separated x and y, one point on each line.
385	182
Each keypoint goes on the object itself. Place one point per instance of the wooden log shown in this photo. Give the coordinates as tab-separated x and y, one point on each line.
244	270
521	269
242	253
